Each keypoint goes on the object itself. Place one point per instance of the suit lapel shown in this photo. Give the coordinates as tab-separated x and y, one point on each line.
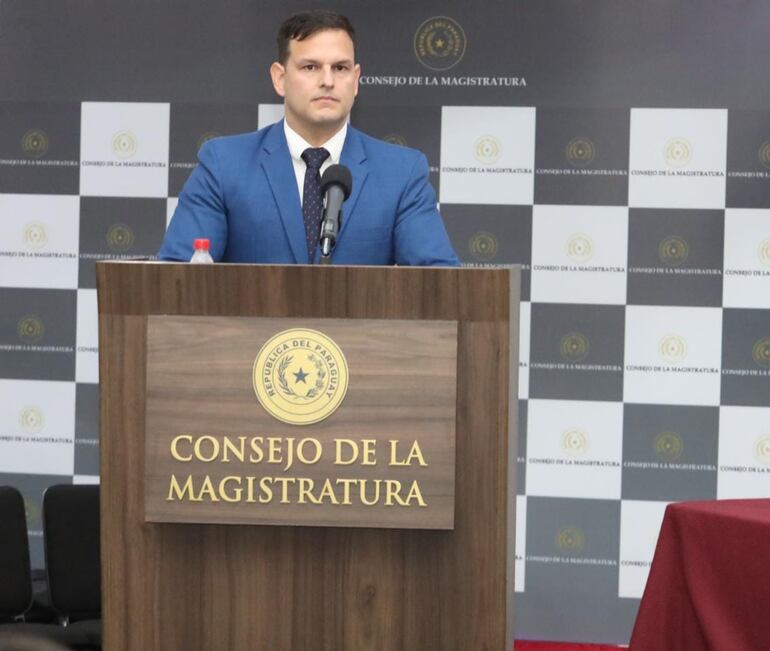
283	182
354	157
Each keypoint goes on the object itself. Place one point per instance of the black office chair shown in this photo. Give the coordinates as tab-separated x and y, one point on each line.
16	580
71	529
16	583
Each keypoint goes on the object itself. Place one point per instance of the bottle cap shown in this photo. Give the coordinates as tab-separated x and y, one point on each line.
201	243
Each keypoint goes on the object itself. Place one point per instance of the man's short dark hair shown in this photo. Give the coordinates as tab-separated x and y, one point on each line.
302	25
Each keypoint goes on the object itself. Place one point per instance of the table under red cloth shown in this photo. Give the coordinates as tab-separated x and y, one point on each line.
709	584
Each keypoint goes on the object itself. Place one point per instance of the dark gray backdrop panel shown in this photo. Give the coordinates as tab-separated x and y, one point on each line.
592	53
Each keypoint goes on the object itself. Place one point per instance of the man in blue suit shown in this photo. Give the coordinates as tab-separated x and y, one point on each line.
257	196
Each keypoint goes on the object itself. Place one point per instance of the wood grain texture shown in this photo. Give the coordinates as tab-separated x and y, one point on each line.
513	454
205	587
401	387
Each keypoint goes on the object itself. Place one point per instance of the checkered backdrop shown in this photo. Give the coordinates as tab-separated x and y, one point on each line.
621	155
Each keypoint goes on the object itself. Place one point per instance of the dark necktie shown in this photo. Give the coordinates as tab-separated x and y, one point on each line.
312	201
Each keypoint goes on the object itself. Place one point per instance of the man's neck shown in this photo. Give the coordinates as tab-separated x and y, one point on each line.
315	137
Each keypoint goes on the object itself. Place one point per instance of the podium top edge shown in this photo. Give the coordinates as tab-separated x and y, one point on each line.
177	264
138	287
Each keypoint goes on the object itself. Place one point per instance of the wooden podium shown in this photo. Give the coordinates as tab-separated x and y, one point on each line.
198	556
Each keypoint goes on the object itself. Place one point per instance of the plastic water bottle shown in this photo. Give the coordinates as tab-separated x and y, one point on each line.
201	254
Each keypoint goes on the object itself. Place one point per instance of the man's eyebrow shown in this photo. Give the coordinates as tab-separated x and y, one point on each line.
306	61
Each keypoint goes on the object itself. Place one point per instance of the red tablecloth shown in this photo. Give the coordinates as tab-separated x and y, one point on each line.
709	584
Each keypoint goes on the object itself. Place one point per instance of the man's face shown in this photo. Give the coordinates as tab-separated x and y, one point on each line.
318	82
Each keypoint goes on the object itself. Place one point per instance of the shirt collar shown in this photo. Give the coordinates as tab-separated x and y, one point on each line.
297	144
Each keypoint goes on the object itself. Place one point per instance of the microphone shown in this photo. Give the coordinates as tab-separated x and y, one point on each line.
336	184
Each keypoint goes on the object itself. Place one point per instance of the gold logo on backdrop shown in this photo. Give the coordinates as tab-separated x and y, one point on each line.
677	152
31	420
570	539
483	246
580	151
580	247
395	139
34	143
487	150
761	352
762	450
439	43
35	235
764	153
673	348
300	376
764	252
30	328
124	144
120	237
209	135
668	446
673	250
574	346
574	441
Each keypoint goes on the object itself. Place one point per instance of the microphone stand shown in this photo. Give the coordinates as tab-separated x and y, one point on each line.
329	229
326	250
337	183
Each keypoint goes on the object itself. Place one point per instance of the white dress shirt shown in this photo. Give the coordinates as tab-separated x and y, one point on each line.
297	144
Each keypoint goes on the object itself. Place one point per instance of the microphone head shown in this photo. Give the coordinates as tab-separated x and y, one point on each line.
337	175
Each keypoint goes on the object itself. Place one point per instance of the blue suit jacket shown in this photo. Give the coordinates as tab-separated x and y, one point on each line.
243	197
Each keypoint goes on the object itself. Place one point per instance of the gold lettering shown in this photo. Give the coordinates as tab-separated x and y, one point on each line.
414	493
301	451
175	451
274	449
256	449
305	488
208	488
362	485
237	451
267	491
393	450
352	445
284	481
346	489
181	492
328	491
414	453
237	493
368	452
290	454
230	489
392	492
214	449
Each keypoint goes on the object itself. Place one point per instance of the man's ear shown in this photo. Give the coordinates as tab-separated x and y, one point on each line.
357	71
277	73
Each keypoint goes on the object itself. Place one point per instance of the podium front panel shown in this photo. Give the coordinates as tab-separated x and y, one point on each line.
195	586
329	422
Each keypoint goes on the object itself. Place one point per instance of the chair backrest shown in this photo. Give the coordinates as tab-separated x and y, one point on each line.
15	574
71	528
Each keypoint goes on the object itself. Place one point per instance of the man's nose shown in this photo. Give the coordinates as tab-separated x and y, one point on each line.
327	78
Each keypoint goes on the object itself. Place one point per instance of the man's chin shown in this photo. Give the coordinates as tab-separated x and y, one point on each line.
329	119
